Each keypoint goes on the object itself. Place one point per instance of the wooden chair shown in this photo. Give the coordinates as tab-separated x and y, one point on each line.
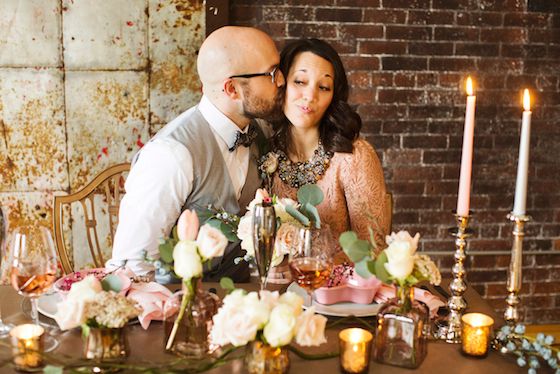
389	209
110	185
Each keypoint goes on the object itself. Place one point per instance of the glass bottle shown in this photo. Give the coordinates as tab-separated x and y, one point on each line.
402	330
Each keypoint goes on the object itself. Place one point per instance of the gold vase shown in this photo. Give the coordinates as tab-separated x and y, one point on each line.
105	344
261	358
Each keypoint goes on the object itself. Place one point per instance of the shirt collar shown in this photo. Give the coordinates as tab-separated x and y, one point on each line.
220	123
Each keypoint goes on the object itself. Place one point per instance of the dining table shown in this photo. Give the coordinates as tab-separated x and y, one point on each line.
148	345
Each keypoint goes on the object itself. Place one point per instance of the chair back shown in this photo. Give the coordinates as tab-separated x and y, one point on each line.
101	197
389	211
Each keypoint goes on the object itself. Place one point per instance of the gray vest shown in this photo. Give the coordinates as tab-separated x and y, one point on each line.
211	183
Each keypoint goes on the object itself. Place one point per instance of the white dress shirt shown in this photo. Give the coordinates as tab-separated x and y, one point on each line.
160	182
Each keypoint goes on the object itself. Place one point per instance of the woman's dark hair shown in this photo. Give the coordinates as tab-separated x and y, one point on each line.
340	124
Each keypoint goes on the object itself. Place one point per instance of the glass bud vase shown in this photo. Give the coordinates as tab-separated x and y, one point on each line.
261	358
402	330
191	338
106	344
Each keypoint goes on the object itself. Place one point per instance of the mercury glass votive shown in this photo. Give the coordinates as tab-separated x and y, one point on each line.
476	334
27	346
355	350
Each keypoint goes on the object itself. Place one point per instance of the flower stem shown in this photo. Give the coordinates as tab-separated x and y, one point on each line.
186	300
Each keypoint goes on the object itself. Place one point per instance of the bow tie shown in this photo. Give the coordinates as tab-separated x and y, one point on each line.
244	139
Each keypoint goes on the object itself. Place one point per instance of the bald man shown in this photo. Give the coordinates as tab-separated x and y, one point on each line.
204	156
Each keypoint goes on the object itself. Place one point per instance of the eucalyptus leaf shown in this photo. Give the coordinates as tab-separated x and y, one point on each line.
358	250
85	330
310	193
380	271
312	213
346	239
227	284
166	251
112	282
362	268
297	215
50	369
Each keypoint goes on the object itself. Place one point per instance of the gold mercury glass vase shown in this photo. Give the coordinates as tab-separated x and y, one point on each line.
402	330
261	358
106	344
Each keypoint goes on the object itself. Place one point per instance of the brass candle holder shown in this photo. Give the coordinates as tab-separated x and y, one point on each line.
511	314
449	329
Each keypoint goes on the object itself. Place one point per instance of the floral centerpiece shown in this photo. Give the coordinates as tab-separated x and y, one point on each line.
101	312
291	216
268	322
401	324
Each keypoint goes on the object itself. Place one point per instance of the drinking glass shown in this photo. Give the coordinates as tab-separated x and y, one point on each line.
264	232
311	258
33	267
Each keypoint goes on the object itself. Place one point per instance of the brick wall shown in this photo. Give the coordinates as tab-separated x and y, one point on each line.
407	61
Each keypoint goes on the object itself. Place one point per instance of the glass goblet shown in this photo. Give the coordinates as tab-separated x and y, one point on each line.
311	258
33	267
264	232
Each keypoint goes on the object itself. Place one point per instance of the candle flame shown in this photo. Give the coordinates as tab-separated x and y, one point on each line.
526	100
469	86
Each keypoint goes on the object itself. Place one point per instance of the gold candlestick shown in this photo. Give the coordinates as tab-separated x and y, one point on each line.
449	329
511	314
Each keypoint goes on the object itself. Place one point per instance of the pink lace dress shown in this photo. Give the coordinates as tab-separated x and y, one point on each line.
354	189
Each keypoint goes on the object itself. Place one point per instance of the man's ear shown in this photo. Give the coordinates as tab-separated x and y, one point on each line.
231	89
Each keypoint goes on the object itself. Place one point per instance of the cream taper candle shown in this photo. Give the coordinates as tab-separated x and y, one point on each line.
523	162
463	198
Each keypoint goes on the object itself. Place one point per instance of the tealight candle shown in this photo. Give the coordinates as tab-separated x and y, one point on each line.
27	345
355	350
476	333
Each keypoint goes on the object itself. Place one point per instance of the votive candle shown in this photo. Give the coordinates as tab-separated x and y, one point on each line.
520	201
464	195
355	350
27	346
476	334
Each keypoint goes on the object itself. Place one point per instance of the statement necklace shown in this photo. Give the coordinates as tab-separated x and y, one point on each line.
297	174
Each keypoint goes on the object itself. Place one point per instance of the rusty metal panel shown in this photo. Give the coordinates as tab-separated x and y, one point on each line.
30	33
176	32
107	120
105	34
32	134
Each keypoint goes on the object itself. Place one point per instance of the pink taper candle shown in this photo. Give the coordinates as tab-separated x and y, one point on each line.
523	162
463	200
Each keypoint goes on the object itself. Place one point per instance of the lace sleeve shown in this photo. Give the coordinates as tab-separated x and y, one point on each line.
364	190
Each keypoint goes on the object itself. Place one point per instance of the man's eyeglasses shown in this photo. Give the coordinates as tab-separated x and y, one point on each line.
271	73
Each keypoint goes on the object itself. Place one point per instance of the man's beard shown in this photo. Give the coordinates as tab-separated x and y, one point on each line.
256	107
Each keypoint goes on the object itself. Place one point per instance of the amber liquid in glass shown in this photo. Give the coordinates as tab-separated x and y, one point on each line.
31	285
310	273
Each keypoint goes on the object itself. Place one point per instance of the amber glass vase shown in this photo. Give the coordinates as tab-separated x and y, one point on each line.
402	330
261	358
105	344
191	338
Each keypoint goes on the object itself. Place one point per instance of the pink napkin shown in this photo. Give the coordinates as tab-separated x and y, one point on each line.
151	297
433	302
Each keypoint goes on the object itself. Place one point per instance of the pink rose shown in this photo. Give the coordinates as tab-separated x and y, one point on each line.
211	242
310	328
187	226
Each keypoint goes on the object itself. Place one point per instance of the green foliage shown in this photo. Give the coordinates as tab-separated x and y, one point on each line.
112	282
309	196
360	253
166	250
50	369
227	284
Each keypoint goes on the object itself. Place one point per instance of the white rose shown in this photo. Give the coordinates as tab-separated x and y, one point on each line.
256	310
292	300
211	242
245	234
280	329
269	298
187	263
310	328
280	209
400	254
70	312
86	289
235	323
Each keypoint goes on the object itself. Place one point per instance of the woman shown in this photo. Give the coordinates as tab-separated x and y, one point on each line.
317	142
